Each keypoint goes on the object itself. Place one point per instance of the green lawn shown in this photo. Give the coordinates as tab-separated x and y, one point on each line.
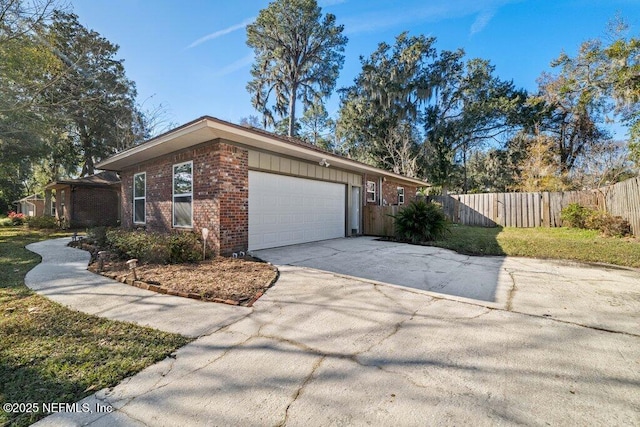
557	243
49	353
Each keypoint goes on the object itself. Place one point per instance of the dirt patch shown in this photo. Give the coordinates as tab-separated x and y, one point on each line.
237	281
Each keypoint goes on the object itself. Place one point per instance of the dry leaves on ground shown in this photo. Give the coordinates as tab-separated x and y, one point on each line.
235	279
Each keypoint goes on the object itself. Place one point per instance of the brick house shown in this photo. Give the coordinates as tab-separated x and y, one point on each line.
32	205
85	202
252	189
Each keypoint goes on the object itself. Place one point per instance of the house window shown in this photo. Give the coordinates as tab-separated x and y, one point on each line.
139	198
53	206
401	195
371	191
183	194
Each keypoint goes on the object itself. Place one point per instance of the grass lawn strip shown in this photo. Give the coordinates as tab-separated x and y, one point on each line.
49	353
550	243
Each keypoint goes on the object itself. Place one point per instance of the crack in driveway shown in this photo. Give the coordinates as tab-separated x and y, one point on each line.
300	389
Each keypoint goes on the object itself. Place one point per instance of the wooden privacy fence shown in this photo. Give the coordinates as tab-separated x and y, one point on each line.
541	209
377	220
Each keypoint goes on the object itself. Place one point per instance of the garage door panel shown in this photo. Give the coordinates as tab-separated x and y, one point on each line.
285	210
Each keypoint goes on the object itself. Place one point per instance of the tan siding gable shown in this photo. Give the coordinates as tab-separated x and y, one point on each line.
270	162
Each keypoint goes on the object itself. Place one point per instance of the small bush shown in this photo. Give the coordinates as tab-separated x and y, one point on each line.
154	248
609	225
421	221
184	247
98	236
6	222
578	216
42	222
16	218
575	215
146	247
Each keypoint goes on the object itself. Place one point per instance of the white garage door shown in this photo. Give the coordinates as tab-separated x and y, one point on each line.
284	210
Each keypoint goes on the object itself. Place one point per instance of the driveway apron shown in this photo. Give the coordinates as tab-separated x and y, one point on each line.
327	348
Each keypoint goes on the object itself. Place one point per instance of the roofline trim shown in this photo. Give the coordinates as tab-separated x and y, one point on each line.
259	135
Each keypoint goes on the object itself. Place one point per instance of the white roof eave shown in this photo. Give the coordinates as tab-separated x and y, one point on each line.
206	130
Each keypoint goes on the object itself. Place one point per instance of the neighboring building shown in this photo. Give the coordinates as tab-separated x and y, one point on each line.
32	205
252	189
85	202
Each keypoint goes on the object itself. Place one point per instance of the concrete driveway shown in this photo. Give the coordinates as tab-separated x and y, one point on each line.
322	348
604	297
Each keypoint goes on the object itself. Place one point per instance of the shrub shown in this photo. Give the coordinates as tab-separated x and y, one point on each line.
146	247
184	247
42	222
575	215
98	236
154	247
421	221
578	216
609	225
6	222
16	218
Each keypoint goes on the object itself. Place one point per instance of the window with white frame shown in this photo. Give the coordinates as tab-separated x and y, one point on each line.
371	191
401	195
183	195
139	198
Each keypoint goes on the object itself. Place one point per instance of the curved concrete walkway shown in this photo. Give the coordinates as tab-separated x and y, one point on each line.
321	348
63	277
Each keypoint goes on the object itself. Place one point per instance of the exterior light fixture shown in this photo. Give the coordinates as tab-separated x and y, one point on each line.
133	263
205	234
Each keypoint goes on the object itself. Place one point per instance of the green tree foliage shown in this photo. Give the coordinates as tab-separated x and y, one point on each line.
26	68
380	114
418	113
65	101
470	106
622	64
591	89
94	97
317	127
299	54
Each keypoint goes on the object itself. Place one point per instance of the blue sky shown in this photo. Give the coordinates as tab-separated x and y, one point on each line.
191	56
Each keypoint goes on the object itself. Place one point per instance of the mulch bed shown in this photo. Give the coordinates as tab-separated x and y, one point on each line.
235	281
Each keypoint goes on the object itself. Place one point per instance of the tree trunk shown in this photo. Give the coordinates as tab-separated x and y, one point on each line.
464	166
292	110
85	140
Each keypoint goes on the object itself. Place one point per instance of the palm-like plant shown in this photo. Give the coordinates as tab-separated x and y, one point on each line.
421	221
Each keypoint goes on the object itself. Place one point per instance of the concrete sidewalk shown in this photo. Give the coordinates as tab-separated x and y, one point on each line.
63	277
324	349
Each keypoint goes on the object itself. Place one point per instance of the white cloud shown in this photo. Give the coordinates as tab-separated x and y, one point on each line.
234	66
398	14
481	21
222	32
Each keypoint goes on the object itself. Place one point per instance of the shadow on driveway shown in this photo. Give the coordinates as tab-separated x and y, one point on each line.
427	268
599	297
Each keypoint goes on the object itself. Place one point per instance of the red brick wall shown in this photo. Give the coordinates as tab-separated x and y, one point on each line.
232	189
93	206
220	194
389	190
